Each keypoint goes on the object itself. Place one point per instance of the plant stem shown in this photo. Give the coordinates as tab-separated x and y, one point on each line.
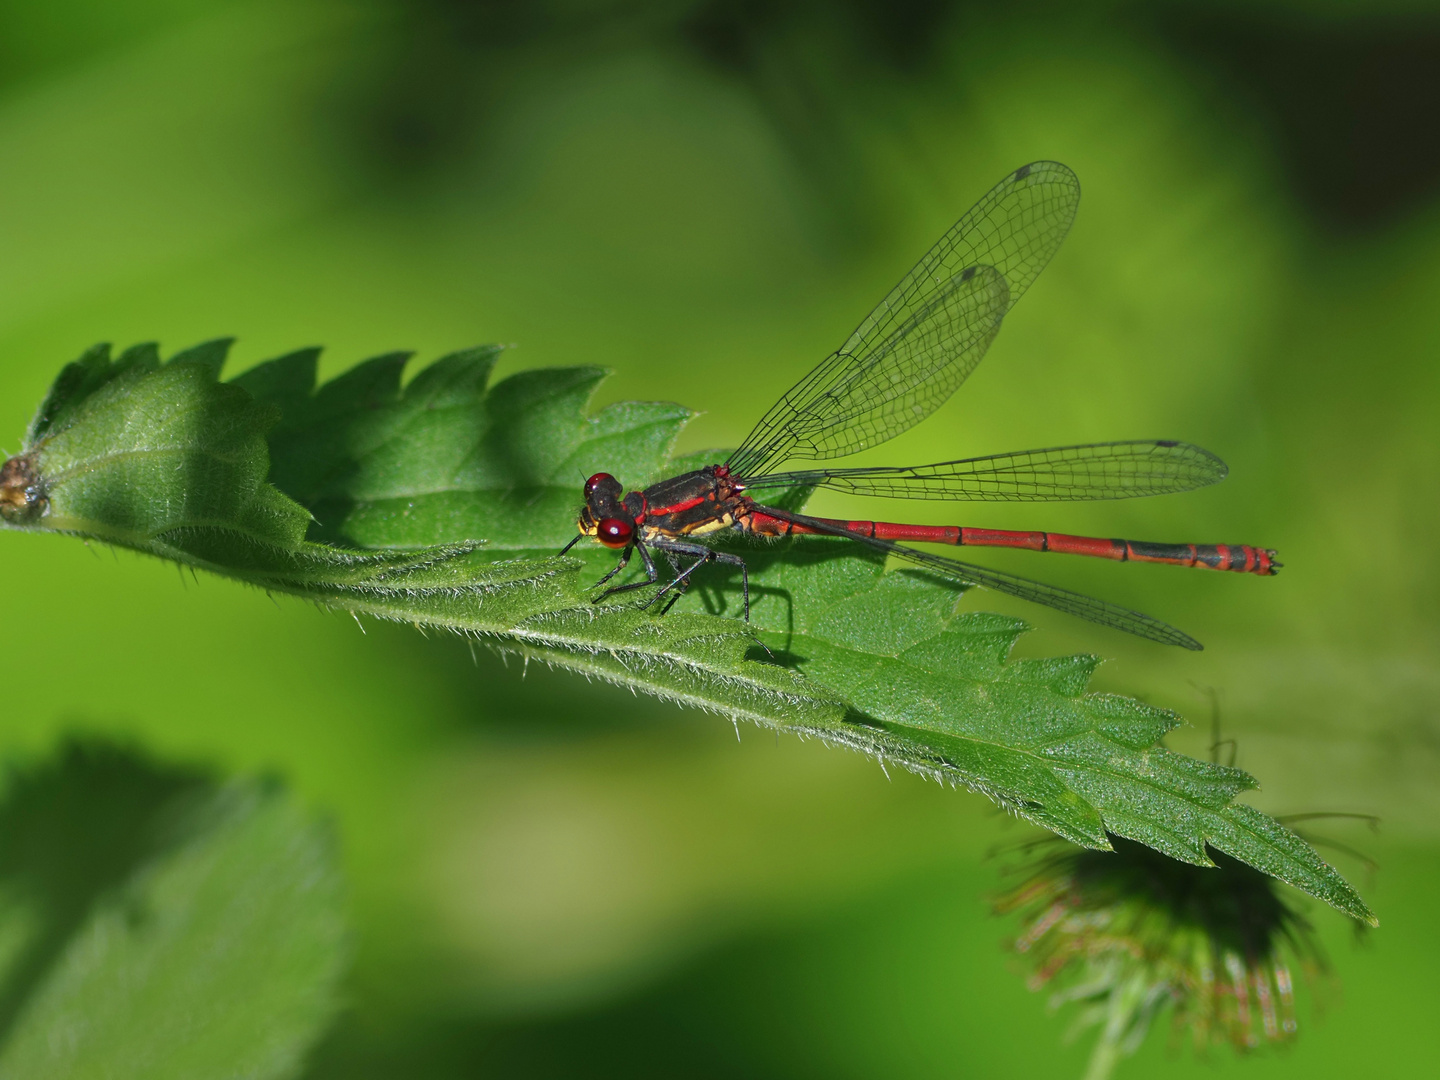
1103	1058
1122	1015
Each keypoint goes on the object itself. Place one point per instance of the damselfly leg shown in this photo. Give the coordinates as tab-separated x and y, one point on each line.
651	574
675	588
702	555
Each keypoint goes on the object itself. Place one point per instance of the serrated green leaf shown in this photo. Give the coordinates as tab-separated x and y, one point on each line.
164	459
933	690
448	458
443	500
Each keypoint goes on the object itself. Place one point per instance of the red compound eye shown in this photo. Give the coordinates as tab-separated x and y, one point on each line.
615	532
600	479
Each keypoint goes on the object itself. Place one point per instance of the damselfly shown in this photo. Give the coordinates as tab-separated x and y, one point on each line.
908	356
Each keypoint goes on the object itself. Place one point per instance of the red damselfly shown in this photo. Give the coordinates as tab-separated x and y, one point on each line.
908	356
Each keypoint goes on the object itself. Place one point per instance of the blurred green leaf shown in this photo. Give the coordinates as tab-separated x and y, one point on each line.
202	935
451	497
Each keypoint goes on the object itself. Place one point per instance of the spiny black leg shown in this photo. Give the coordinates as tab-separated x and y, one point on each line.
650	575
674	598
645	558
745	588
736	560
677	587
675	572
624	562
702	555
571	544
682	581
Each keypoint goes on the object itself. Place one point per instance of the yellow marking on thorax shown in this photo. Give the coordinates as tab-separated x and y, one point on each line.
704	528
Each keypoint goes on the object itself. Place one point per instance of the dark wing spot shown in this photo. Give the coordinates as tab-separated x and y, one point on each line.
1022	172
967	273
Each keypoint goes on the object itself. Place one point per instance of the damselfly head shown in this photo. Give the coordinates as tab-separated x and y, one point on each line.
606	515
602	483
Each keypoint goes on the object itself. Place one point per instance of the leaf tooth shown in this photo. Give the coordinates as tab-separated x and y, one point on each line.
208	355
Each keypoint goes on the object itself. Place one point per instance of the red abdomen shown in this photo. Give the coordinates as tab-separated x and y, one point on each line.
1237	558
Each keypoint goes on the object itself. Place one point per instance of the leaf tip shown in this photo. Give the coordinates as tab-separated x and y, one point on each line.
22	493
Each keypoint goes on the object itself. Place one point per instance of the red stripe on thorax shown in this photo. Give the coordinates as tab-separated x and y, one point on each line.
678	508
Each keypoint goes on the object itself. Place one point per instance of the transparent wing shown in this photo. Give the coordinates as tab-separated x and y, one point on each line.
1072	603
1118	470
919	344
851	402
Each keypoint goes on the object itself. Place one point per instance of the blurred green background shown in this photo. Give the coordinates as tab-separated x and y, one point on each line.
553	878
